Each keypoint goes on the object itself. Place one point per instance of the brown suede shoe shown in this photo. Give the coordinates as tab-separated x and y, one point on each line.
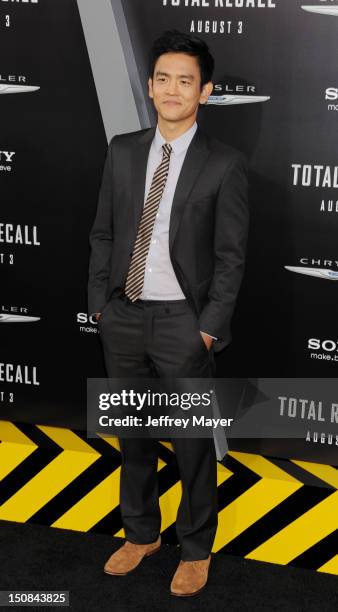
128	557
190	577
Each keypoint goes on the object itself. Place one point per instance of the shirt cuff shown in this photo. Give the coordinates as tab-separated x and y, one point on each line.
209	335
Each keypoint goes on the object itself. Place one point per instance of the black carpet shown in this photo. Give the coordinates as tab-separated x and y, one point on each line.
41	558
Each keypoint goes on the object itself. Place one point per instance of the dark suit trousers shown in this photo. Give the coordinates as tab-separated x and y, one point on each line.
161	339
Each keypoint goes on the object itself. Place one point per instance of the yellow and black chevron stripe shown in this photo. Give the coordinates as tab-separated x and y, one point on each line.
279	511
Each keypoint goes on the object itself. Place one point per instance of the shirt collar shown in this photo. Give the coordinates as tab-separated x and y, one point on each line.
179	144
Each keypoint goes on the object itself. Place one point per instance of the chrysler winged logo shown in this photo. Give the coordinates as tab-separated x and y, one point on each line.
235	99
318	272
322	10
10	89
13	318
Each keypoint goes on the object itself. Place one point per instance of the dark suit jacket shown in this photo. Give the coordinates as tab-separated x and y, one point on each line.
207	233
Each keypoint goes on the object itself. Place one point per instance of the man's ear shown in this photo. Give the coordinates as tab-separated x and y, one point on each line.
206	92
150	87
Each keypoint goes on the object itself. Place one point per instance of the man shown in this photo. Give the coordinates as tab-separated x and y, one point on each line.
168	246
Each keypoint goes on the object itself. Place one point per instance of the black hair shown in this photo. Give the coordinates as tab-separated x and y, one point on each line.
173	41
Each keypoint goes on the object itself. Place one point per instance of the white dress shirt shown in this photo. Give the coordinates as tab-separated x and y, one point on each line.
160	282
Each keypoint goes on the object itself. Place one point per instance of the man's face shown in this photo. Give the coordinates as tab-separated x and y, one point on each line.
175	86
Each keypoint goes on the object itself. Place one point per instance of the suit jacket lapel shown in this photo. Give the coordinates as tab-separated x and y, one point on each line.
194	161
138	174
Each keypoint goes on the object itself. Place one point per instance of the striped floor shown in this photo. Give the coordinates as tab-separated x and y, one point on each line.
279	511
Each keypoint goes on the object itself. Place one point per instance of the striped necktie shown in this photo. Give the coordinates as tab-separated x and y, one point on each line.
135	276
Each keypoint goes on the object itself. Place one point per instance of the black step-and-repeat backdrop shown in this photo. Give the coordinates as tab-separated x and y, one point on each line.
72	75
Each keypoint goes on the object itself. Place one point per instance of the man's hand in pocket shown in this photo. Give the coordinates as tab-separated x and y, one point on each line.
208	340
